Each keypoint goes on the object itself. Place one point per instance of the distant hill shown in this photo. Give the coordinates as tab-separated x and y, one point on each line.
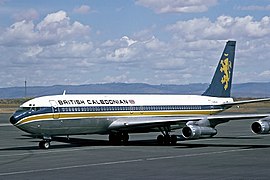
238	90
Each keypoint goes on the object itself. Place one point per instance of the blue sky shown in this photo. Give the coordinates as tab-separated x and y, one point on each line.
133	41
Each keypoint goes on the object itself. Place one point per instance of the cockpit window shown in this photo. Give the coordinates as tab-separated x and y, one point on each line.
36	108
24	108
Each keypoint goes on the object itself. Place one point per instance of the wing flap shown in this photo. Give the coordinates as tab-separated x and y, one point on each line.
148	122
237	117
219	119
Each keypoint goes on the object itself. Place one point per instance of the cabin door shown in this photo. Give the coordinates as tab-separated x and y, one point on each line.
55	109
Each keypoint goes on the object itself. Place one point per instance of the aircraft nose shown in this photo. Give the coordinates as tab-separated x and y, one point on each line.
13	120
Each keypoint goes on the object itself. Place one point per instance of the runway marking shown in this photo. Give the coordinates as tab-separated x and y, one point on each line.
70	167
198	154
122	162
55	151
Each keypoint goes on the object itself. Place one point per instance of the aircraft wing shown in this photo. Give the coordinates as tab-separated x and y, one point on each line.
154	122
149	122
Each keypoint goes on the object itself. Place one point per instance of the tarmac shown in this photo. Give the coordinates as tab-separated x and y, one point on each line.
235	153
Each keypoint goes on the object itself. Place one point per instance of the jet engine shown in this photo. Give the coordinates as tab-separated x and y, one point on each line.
261	126
196	132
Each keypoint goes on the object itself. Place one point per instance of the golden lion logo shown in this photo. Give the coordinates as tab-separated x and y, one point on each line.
226	65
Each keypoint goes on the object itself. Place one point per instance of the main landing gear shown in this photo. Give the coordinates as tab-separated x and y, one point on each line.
117	138
166	138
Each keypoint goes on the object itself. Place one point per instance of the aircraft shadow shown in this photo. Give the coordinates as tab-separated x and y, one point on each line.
80	142
229	137
91	142
76	142
198	144
201	145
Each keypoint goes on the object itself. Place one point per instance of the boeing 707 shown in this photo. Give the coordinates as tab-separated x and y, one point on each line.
122	114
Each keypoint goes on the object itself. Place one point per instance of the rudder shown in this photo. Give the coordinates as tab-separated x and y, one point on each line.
221	83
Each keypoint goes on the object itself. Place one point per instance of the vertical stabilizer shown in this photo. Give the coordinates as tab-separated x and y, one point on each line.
222	80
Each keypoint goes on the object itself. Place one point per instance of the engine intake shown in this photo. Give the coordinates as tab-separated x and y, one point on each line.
196	132
261	127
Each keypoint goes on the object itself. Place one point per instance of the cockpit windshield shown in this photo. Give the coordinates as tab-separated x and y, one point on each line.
24	109
23	112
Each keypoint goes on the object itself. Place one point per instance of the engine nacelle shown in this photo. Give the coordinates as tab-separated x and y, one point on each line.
195	132
261	127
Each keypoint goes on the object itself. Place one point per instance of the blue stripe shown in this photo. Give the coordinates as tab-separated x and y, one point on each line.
45	110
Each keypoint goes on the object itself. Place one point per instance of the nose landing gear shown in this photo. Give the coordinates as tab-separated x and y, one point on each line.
45	143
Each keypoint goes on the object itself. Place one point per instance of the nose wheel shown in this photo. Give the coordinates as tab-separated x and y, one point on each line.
44	144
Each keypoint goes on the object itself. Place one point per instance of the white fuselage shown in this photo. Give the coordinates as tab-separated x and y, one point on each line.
86	114
125	100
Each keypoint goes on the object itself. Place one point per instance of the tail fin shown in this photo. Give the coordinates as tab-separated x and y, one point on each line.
222	80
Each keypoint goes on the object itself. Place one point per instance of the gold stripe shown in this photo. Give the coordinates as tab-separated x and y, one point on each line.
34	118
52	116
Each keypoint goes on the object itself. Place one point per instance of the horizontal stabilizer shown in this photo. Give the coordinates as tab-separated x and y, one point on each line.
246	102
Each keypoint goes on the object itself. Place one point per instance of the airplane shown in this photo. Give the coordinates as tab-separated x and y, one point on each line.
118	115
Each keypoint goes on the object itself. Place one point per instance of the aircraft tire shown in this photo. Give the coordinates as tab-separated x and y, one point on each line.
167	140
114	139
125	138
44	144
173	140
160	139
